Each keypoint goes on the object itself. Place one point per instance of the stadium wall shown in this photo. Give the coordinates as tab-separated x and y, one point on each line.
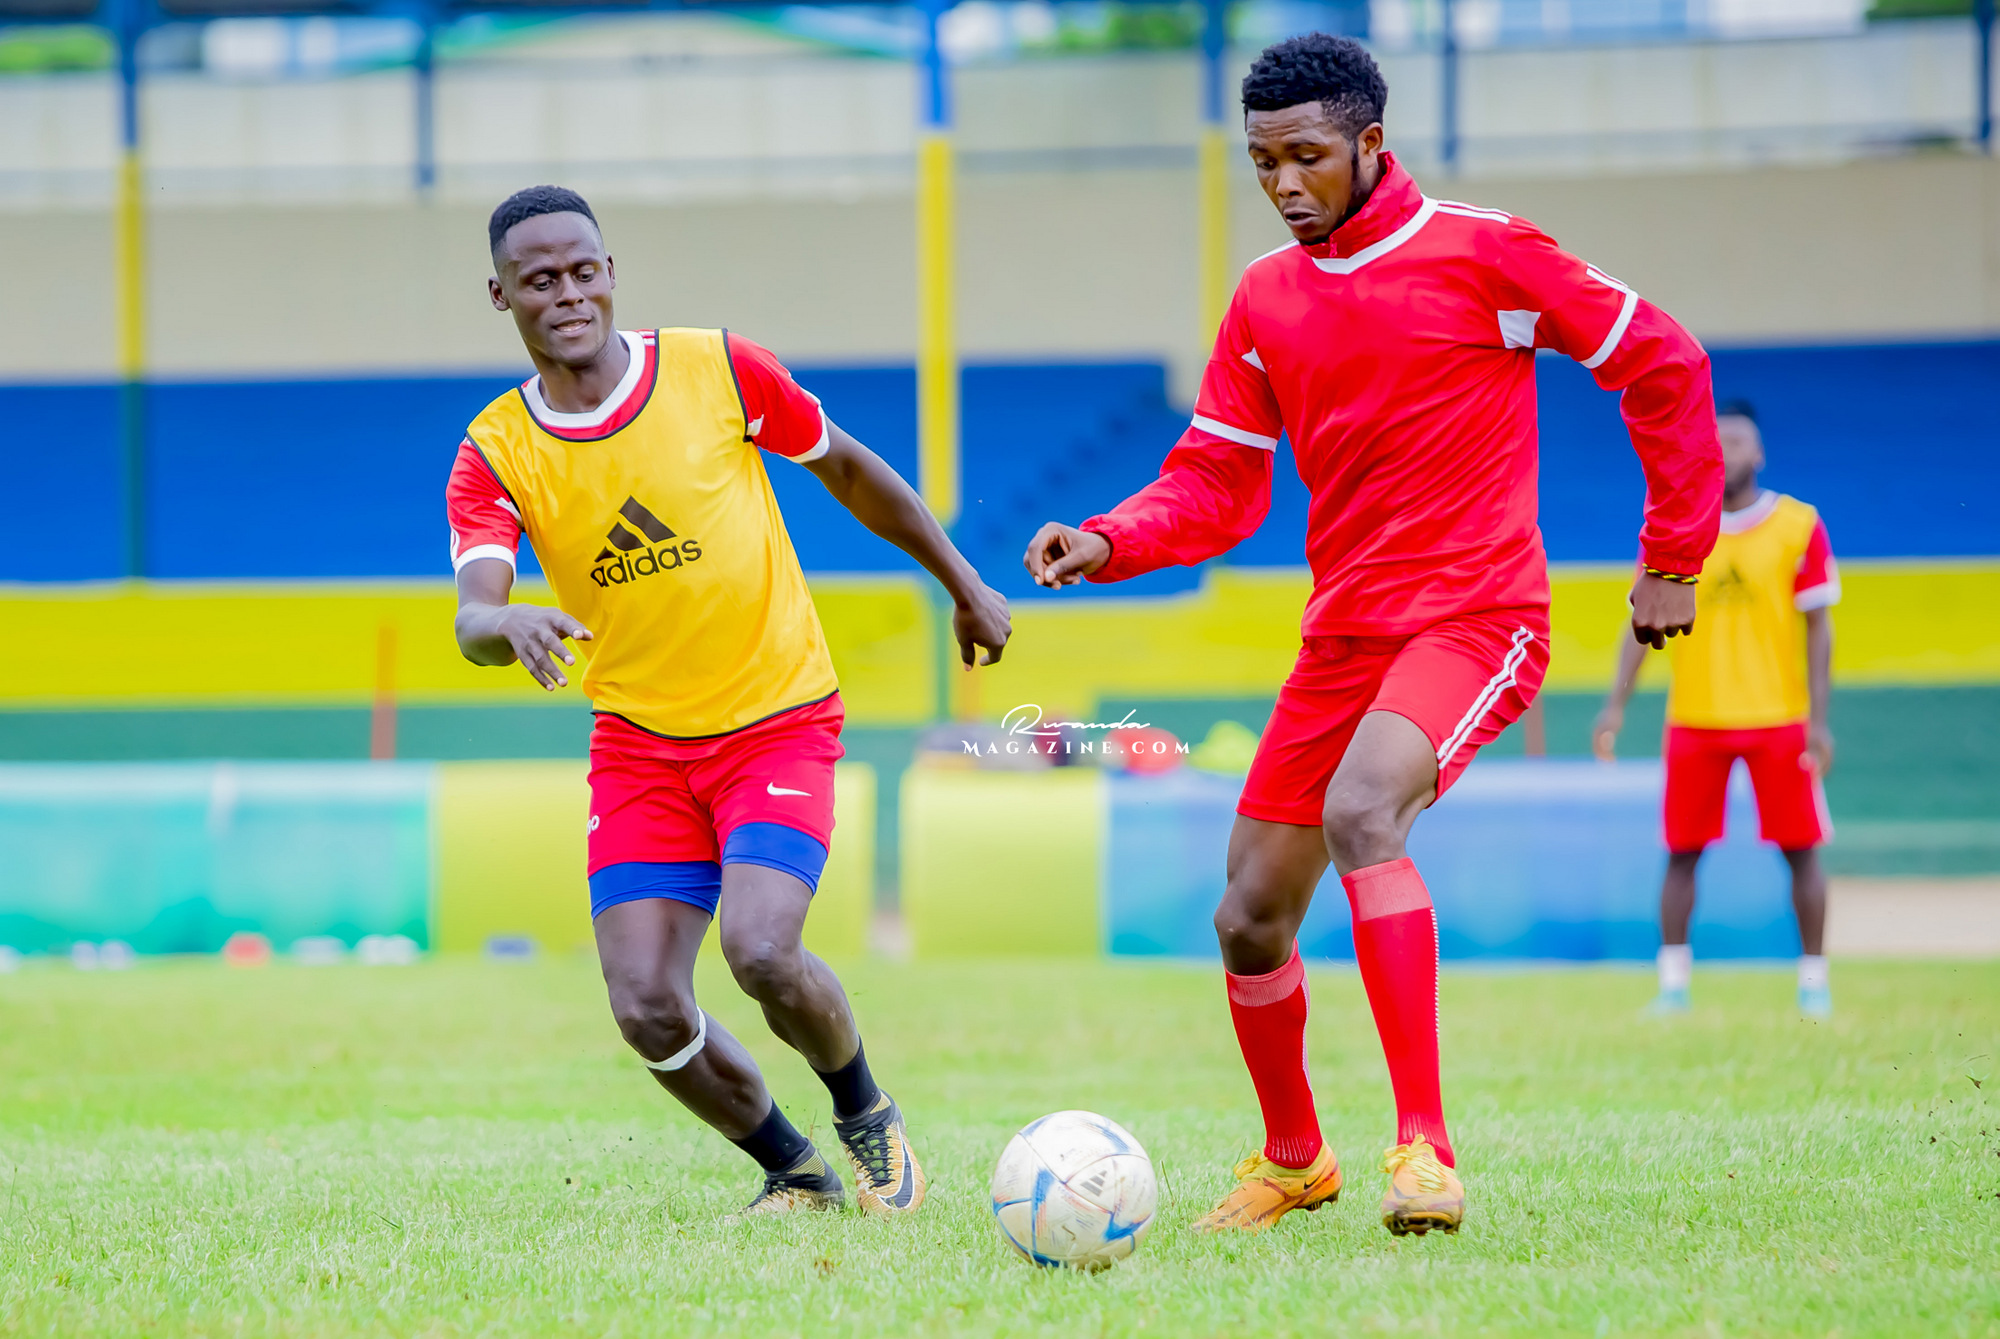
296	671
688	105
177	857
1071	265
178	648
302	423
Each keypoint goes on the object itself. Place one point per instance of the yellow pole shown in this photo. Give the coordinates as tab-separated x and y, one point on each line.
128	246
1214	187
129	266
937	345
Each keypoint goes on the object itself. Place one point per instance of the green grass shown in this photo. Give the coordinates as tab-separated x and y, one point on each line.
464	1148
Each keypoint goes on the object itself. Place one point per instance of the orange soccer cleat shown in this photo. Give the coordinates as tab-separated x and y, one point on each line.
1423	1192
1266	1192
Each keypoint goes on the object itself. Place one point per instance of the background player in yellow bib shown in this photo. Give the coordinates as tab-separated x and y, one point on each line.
1751	683
633	463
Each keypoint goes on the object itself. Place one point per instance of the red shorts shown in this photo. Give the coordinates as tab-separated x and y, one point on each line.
1461	682
660	800
1791	806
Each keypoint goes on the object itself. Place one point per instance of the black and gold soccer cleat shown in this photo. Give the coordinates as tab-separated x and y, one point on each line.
887	1179
803	1188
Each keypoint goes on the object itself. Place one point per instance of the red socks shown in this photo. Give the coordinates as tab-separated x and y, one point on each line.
1396	944
1270	1016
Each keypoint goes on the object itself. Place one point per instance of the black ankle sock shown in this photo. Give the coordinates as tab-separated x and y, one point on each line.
776	1144
852	1086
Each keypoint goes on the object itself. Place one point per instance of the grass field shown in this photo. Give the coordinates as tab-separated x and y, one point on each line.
463	1148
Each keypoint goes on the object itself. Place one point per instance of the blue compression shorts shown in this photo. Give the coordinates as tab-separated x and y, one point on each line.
699	882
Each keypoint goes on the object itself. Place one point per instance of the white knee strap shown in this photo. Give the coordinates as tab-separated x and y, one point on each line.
687	1052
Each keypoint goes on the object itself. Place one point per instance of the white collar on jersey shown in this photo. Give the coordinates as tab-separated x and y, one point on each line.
531	391
1349	264
1736	522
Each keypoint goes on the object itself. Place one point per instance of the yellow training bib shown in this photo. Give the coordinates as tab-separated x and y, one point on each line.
656	525
1745	666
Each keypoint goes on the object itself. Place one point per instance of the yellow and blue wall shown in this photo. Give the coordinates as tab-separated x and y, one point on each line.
981	862
295	607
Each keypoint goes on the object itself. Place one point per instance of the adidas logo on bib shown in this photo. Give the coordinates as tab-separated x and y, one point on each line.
655	548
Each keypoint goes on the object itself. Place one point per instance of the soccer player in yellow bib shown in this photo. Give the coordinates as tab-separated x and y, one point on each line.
633	461
1751	683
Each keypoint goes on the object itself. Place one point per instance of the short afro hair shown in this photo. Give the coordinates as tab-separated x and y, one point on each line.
530	203
1336	72
1736	409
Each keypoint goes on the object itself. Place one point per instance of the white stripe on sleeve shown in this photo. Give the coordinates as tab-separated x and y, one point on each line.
1604	350
478	551
1238	435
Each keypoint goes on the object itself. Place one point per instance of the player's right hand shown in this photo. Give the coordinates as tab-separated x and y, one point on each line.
1604	732
537	633
1062	555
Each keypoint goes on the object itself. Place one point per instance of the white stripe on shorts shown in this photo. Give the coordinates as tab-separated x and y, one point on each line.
1495	686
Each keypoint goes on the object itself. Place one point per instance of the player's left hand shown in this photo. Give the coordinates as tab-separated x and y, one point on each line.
1660	609
981	619
1819	748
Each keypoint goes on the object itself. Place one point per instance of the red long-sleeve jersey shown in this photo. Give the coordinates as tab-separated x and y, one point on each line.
1398	355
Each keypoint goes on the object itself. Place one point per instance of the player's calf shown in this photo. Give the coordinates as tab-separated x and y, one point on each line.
763	916
806	1007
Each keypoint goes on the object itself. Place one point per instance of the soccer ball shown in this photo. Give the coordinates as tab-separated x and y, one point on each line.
1075	1190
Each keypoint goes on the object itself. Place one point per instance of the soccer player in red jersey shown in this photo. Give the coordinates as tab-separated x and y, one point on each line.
1394	342
633	461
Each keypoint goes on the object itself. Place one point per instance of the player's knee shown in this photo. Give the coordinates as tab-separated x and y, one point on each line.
1363	824
656	1021
764	968
1242	929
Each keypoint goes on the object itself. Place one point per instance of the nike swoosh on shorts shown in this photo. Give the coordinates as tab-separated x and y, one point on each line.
771	788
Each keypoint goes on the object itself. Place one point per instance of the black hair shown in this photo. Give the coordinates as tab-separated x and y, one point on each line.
1336	72
531	203
1737	409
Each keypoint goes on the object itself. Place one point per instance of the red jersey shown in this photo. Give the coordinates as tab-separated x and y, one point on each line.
1399	356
